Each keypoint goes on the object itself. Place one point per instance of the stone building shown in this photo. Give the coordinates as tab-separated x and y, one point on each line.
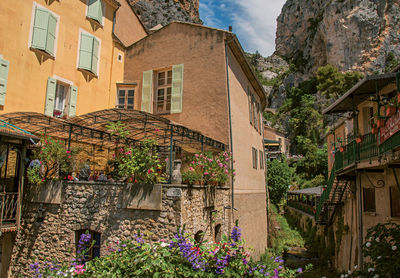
276	144
199	77
364	156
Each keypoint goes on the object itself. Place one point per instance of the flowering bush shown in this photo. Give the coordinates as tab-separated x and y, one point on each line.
207	167
180	257
140	164
65	269
382	250
51	160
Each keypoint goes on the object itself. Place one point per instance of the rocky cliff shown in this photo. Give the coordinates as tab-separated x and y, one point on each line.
154	12
358	35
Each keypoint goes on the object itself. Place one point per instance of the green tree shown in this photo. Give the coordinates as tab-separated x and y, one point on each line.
279	178
332	83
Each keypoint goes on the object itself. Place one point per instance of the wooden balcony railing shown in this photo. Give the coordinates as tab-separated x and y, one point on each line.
9	205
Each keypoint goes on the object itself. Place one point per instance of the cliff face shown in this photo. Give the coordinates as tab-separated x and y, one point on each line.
358	35
154	12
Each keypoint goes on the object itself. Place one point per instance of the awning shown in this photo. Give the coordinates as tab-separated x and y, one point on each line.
7	129
269	141
91	129
361	92
308	191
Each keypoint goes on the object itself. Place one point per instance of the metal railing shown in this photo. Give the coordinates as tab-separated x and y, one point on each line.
354	153
9	204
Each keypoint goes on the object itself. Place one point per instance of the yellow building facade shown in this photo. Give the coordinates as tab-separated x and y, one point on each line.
61	58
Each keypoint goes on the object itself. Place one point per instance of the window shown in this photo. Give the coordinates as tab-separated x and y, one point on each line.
217	232
368	114
95	11
44	30
126	98
394	202
369	199
254	156
168	91
60	99
162	103
261	159
93	252
89	53
4	66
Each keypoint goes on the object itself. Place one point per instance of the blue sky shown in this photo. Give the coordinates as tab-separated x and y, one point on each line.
253	21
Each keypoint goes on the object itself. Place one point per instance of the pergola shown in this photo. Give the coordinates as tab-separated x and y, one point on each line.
91	129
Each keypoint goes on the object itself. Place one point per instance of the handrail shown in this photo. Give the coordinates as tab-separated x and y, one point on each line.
9	204
354	153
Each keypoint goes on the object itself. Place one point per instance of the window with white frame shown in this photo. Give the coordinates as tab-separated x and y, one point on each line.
162	100
61	99
44	30
125	98
89	52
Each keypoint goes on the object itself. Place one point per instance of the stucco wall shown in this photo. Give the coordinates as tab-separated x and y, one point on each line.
29	70
128	27
48	230
200	50
249	185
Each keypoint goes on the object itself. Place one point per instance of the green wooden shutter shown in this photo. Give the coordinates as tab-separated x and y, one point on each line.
147	91
4	66
72	101
95	10
95	55
51	34
177	88
40	25
50	96
85	52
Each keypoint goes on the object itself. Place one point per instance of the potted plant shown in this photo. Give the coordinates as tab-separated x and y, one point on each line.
375	130
359	139
391	108
342	148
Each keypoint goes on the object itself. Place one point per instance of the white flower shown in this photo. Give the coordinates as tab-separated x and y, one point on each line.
371	269
72	269
377	239
368	244
342	276
379	257
376	275
345	275
349	271
355	267
394	247
164	244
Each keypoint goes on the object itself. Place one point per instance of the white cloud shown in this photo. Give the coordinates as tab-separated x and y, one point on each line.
253	21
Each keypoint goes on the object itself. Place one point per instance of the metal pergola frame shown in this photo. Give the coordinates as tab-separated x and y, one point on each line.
91	129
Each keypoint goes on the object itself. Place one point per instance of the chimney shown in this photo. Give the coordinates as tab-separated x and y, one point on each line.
230	28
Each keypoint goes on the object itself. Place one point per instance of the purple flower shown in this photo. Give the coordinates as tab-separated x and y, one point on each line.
300	270
236	233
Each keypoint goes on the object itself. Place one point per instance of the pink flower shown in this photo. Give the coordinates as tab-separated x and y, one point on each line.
205	173
149	171
192	162
166	159
113	155
196	155
79	269
156	130
226	171
191	169
68	151
121	150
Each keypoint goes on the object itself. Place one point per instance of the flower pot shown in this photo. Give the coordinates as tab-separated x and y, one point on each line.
342	149
390	110
375	130
381	123
359	140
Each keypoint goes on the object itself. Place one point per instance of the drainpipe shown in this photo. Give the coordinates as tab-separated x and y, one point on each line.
230	124
360	219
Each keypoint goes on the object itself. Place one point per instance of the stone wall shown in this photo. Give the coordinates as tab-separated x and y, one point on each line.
48	229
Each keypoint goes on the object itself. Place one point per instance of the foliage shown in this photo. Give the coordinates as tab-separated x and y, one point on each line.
314	163
51	160
181	257
141	163
282	236
208	167
391	62
382	250
332	83
117	128
279	177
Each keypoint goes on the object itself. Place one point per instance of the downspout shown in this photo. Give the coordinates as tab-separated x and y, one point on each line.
112	55
360	220
230	125
266	184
